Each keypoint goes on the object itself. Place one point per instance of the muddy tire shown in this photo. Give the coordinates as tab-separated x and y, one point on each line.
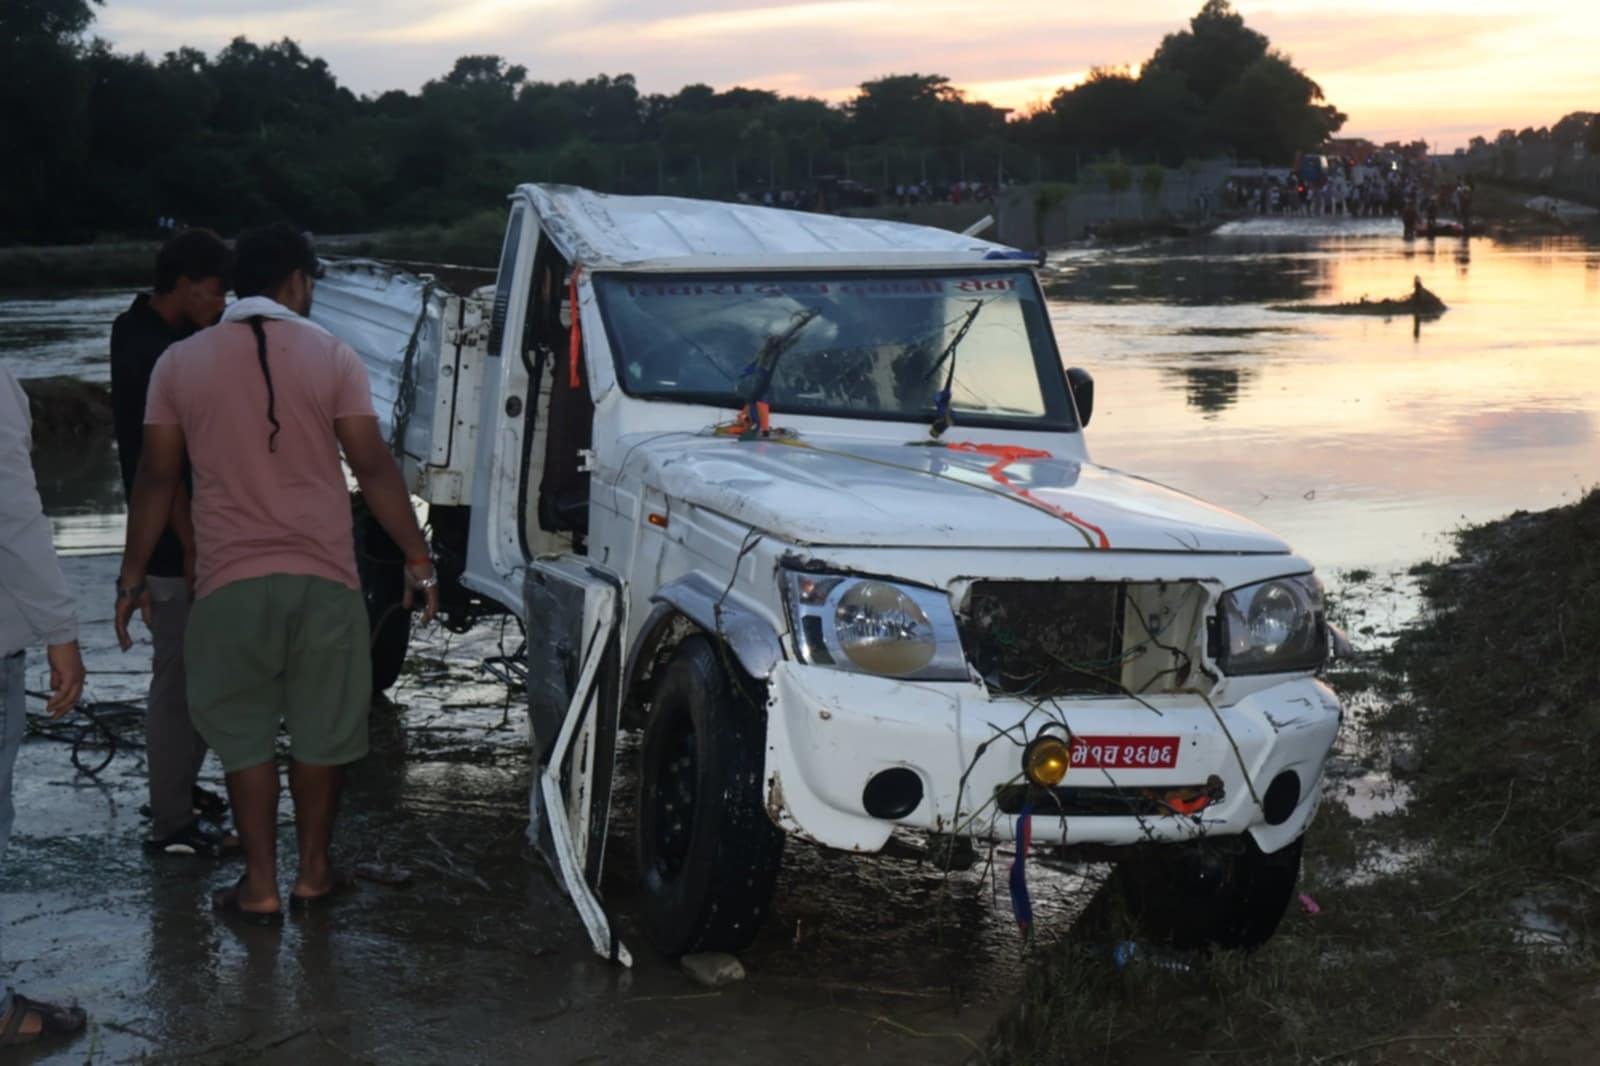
382	568
1201	897
708	855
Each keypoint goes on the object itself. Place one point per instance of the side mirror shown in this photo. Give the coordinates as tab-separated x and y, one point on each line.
1082	386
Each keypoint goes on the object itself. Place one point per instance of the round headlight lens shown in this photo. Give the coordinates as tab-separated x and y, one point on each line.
882	630
1277	615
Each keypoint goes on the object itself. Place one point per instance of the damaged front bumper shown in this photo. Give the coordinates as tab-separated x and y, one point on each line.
947	758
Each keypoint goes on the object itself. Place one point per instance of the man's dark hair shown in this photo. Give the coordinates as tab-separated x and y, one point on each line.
265	257
195	254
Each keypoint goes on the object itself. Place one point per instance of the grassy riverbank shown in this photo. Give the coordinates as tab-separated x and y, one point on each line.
1460	929
77	266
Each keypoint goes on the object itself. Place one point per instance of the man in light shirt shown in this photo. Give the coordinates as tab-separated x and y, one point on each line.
35	608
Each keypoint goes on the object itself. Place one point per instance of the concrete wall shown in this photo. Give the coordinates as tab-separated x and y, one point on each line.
1186	194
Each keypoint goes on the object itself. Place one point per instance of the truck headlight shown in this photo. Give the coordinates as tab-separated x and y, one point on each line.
1273	627
871	626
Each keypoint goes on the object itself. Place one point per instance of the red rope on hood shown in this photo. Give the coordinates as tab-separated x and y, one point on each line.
1005	455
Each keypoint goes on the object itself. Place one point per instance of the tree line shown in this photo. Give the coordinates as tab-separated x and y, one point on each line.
99	141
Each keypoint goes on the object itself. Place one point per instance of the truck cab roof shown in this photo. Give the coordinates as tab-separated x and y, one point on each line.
666	233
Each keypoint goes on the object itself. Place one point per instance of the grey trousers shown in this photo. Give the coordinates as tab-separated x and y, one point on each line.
173	749
13	720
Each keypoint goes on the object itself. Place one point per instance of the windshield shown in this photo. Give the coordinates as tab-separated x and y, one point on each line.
881	345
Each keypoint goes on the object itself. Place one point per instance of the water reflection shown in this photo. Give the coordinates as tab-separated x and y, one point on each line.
80	485
1212	389
69	336
1206	272
1363	440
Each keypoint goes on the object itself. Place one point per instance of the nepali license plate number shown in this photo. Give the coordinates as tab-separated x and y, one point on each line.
1125	753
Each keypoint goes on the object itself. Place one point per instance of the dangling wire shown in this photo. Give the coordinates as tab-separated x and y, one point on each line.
405	397
266	372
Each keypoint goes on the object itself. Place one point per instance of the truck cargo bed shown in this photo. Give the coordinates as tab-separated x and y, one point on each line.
422	347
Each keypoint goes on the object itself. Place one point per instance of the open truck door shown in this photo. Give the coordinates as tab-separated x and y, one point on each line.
574	690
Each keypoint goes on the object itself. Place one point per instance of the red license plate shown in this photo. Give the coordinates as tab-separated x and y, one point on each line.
1125	753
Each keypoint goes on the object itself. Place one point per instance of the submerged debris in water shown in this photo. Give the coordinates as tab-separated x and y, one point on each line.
1422	303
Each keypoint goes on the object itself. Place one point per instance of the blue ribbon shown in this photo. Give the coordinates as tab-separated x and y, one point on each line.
1021	905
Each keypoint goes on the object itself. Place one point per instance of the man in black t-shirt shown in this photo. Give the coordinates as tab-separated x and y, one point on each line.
191	284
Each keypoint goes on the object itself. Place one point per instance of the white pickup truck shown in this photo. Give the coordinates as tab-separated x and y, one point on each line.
808	500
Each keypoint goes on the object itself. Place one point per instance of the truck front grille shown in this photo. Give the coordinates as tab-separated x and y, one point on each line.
1045	638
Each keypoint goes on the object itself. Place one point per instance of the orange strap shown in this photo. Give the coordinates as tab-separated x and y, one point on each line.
576	355
1193	805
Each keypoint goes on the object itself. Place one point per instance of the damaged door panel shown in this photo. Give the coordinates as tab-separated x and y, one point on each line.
574	677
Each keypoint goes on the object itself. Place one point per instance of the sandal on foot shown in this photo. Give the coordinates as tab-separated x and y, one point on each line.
192	840
205	804
226	902
342	884
208	805
53	1020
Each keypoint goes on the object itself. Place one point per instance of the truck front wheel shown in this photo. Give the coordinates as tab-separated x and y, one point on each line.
708	854
1201	896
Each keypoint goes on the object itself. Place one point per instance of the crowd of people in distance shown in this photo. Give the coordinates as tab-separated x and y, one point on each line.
1356	192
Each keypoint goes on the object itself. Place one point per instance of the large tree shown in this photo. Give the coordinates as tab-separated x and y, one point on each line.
41	21
1218	86
1210	55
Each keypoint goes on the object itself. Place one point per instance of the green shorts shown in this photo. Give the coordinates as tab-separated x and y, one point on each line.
283	647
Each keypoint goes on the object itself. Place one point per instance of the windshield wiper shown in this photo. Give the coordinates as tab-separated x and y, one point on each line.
941	410
756	380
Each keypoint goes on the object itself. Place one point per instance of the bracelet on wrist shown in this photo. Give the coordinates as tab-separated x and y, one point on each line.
423	561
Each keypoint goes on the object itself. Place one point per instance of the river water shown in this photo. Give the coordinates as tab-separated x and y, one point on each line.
1363	440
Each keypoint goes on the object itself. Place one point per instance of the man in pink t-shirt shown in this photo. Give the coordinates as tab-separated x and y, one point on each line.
263	403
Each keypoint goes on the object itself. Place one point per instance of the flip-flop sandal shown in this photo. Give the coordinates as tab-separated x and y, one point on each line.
344	883
208	804
200	843
203	802
226	903
53	1020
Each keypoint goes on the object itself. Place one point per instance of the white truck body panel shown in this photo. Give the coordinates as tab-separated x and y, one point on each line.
381	313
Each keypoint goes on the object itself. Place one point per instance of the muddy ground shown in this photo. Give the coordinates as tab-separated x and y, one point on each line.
1448	914
479	958
1454	923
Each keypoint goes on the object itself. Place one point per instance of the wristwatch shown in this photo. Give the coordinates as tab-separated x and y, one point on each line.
132	593
426	583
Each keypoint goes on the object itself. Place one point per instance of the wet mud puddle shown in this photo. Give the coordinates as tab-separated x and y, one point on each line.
477	956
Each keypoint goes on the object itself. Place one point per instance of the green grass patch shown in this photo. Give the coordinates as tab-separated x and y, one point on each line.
1461	929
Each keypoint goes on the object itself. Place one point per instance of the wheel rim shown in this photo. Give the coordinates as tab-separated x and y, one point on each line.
673	805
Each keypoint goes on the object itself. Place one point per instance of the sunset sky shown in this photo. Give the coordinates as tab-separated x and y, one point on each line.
1442	70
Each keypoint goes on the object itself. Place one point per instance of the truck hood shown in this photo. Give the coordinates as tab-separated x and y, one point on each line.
832	492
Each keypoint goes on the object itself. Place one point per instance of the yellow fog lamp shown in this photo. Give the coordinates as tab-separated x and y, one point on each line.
1046	759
